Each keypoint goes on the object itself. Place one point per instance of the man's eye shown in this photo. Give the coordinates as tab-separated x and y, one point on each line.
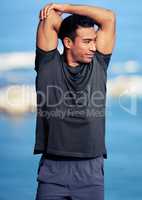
86	41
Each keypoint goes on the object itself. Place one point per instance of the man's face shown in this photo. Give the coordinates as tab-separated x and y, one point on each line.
84	46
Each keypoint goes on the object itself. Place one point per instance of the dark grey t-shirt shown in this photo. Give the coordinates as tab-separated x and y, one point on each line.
70	105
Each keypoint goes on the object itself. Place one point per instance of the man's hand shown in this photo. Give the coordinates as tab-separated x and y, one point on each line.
58	8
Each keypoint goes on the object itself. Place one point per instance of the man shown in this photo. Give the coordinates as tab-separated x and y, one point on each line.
71	96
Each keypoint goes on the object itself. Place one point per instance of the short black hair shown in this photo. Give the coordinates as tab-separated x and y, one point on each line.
71	23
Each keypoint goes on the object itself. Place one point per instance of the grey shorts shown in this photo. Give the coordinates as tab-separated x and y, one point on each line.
70	179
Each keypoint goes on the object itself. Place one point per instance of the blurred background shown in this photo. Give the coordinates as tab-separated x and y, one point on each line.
18	165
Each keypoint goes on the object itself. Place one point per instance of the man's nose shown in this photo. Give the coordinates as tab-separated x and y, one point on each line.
92	46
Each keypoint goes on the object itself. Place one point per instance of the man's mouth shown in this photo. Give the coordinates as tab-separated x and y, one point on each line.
90	55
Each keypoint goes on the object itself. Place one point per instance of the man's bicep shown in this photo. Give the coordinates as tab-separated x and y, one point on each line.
106	38
47	38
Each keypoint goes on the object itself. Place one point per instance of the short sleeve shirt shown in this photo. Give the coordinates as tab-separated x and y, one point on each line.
70	105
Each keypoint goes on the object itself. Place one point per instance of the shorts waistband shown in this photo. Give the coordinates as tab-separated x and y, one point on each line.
68	158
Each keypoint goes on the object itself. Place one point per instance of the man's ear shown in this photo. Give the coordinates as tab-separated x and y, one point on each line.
68	42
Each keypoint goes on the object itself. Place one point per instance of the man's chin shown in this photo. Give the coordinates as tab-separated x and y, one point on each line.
88	60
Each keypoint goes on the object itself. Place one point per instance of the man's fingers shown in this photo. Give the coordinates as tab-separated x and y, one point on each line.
46	11
49	10
43	12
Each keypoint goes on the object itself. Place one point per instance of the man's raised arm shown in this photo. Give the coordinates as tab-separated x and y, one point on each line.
47	31
104	18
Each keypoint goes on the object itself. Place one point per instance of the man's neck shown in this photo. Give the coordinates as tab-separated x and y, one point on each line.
68	59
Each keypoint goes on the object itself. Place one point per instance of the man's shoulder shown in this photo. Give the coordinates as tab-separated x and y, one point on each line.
44	58
102	59
44	53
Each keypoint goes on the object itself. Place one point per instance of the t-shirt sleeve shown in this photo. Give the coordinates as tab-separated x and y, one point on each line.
42	58
103	59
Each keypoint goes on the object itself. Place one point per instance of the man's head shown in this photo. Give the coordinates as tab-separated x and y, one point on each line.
78	36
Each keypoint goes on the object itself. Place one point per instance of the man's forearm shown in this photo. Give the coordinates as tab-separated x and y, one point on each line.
103	17
100	15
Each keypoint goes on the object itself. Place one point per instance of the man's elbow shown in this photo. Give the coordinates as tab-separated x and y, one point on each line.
112	17
109	21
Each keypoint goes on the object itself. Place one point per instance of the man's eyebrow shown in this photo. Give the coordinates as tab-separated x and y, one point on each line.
90	39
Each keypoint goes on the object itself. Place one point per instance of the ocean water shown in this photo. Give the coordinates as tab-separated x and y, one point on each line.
18	166
123	138
123	175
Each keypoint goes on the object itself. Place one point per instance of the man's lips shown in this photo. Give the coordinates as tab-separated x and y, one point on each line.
90	55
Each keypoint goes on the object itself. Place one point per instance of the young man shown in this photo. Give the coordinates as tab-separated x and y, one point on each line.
71	96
